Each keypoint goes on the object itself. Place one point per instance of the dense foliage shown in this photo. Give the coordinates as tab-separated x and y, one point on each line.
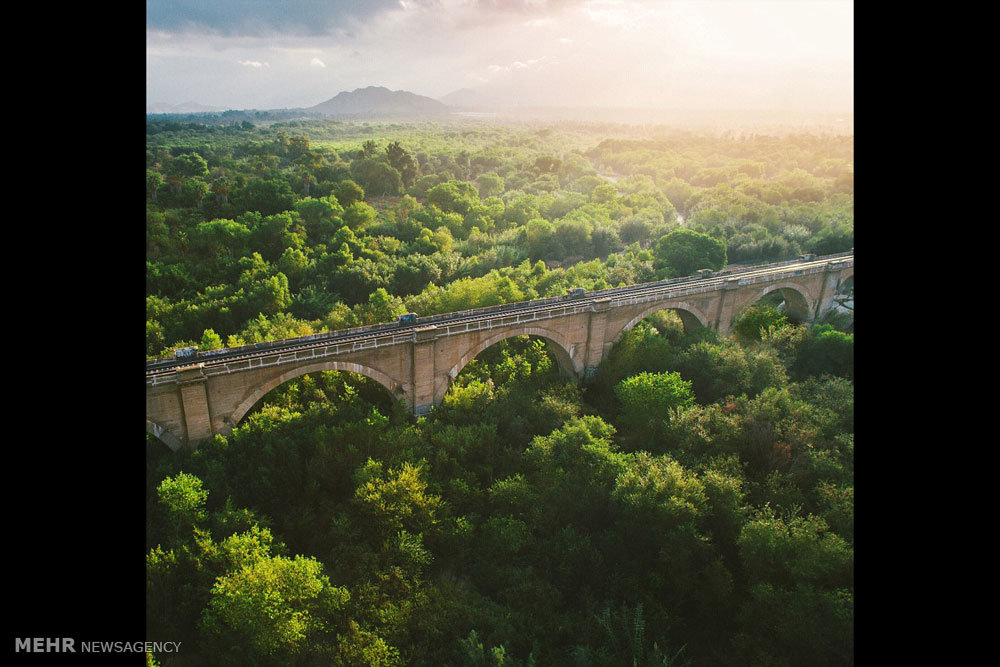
692	504
262	233
646	517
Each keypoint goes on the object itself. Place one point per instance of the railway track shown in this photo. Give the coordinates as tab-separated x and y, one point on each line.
391	333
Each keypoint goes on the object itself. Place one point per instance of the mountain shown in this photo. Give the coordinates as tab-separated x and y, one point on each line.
376	100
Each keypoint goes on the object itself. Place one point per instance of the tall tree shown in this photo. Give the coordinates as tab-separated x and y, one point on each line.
154	180
401	160
684	251
348	192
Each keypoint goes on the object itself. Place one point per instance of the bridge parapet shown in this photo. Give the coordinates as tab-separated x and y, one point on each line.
417	335
550	309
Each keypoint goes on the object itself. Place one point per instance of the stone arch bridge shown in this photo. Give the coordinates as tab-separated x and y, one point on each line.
186	402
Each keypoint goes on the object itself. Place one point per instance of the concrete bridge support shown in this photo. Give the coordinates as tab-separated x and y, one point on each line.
426	381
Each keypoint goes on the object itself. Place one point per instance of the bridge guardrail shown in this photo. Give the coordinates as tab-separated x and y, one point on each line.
432	319
565	307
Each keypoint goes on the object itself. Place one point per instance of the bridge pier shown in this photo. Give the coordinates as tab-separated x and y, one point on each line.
828	290
192	383
597	324
423	371
727	307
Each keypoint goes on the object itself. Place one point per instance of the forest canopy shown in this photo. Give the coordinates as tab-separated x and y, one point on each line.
690	504
258	233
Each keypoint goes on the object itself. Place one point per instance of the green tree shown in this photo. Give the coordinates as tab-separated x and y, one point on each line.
298	146
314	211
348	192
193	191
576	466
679	193
603	193
802	626
490	185
183	497
538	237
414	274
648	399
824	350
453	197
307	180
154	180
369	149
381	307
188	165
293	263
273	610
377	178
210	340
727	369
683	251
395	499
266	196
401	160
221	188
358	215
755	321
219	239
572	236
795	550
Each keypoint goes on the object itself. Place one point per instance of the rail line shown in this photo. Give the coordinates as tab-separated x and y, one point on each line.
380	335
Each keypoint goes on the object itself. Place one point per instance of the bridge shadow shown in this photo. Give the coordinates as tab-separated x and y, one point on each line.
156	448
841	313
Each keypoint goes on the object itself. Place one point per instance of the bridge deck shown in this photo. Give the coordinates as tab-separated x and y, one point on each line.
380	335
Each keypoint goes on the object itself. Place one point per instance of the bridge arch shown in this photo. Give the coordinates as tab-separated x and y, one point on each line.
846	284
394	388
163	435
691	316
562	349
800	303
841	314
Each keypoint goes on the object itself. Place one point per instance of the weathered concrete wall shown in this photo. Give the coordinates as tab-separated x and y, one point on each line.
201	402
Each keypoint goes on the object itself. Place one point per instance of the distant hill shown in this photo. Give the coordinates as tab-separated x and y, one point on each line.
380	101
183	107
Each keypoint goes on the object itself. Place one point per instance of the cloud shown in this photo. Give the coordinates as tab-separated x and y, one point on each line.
523	7
613	13
623	52
261	17
471	14
516	65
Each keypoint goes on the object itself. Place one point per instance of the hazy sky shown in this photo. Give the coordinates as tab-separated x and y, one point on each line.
700	54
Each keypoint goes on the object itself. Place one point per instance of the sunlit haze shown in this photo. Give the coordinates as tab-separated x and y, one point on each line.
711	54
